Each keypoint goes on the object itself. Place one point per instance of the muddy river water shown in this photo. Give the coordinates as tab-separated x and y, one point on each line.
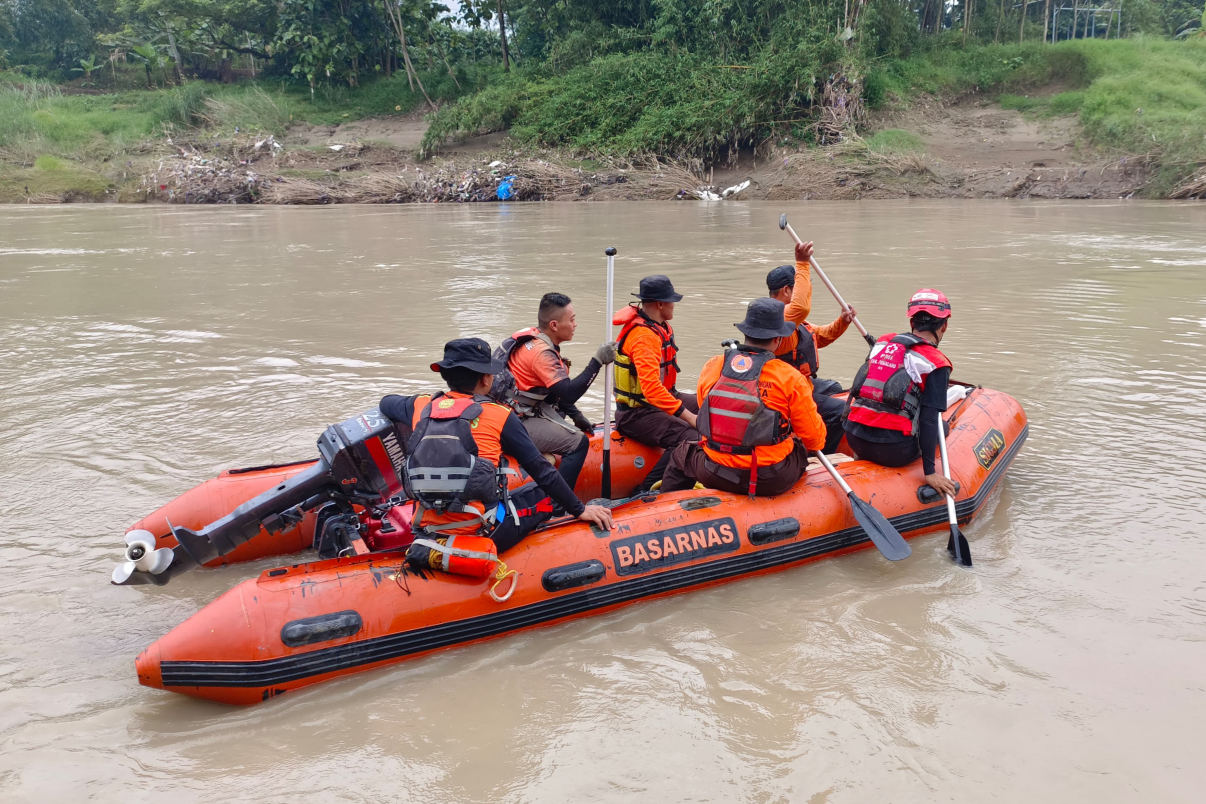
145	349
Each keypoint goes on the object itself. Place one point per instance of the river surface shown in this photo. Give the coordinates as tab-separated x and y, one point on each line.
145	349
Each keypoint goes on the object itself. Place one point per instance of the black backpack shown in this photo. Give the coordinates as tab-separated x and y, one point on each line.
503	389
443	471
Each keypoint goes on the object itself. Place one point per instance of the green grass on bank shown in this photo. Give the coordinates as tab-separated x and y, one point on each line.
55	140
1141	96
895	141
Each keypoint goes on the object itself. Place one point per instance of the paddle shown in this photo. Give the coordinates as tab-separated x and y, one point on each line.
608	374
783	224
957	544
886	538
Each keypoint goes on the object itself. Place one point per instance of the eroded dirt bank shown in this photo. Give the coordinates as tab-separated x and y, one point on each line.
970	149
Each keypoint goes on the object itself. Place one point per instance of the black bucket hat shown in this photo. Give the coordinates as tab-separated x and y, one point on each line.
764	320
657	288
471	353
782	277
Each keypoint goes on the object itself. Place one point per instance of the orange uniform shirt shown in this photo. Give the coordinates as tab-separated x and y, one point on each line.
783	389
797	311
487	430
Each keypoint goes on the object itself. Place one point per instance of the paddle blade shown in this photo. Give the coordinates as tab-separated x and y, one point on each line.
883	535
957	546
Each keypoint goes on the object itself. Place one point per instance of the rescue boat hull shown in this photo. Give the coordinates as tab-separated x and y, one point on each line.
299	625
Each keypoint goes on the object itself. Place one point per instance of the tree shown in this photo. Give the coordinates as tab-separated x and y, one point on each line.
394	11
56	33
476	13
150	58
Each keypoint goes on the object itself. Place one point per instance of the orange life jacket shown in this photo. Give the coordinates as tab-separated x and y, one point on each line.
474	507
507	388
628	386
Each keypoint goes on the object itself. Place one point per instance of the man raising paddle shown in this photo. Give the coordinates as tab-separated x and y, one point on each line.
792	285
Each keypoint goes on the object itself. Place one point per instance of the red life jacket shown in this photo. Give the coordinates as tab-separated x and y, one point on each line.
804	354
884	395
732	417
627	386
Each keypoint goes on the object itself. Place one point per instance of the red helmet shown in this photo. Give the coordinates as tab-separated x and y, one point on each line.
928	300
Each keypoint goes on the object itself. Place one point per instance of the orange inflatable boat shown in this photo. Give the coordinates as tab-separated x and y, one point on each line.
298	625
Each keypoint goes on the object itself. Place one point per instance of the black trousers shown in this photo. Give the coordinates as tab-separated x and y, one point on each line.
689	463
885	453
657	428
534	508
833	413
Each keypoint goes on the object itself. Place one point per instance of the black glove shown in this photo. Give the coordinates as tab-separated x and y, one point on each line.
582	423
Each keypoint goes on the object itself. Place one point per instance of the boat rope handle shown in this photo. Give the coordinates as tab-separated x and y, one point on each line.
501	573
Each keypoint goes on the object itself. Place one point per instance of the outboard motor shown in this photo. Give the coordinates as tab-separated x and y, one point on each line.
361	462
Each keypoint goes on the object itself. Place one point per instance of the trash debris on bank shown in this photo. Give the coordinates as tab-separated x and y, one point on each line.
250	170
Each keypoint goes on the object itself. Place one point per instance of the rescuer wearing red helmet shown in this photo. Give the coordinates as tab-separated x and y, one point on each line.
792	285
898	393
757	419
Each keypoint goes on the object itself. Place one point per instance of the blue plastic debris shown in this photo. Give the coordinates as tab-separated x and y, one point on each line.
505	192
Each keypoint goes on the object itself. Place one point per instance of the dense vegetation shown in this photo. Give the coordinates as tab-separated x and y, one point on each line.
698	78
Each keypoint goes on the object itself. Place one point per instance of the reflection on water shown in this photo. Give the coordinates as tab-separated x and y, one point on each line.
146	349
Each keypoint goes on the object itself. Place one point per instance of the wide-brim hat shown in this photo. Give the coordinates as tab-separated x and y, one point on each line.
657	288
471	353
764	320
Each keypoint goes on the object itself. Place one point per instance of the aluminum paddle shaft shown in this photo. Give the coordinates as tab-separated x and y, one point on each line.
783	224
957	545
608	375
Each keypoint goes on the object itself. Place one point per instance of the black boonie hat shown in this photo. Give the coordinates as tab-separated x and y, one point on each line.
782	277
471	353
764	320
657	288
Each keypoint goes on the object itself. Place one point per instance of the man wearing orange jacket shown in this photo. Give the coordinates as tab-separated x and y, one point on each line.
792	285
758	419
462	427
649	409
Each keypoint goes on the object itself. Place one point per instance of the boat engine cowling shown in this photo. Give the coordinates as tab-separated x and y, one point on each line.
364	455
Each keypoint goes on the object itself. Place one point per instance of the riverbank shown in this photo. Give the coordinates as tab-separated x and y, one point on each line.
972	148
1076	120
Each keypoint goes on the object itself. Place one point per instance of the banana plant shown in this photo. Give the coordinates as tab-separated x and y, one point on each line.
149	56
86	67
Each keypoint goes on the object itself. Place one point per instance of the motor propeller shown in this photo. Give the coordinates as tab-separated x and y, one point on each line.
142	556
